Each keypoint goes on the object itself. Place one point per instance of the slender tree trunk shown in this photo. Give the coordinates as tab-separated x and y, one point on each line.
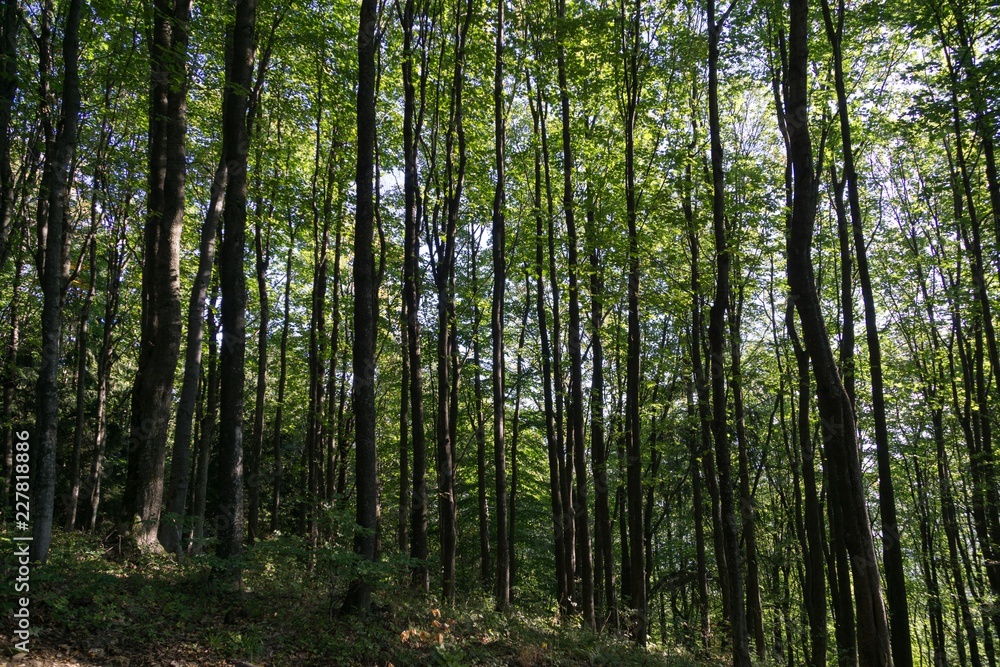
282	376
262	252
445	280
839	570
564	453
53	269
834	403
152	392
332	430
365	312
546	359
486	574
170	530
704	452
755	605
208	428
892	552
9	28
117	259
82	336
717	345
515	436
603	538
232	280
815	584
503	577
10	383
630	46
580	505
411	297
402	523
704	620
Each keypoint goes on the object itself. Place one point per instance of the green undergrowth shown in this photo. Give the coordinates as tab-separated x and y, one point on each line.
151	610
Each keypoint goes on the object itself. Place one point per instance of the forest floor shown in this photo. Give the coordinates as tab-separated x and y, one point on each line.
89	610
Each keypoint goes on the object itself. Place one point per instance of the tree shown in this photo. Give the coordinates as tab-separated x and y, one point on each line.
232	280
836	413
53	261
365	311
496	318
161	308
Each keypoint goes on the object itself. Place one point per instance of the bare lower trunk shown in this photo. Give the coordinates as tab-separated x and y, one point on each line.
171	528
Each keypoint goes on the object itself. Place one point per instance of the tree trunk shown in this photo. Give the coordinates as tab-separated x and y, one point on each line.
603	538
12	346
232	280
515	436
717	360
82	335
496	319
282	376
630	44
581	512
834	404
445	282
486	574
117	258
152	392
262	252
402	525
53	269
411	297
208	427
892	552
10	26
365	312
555	494
170	529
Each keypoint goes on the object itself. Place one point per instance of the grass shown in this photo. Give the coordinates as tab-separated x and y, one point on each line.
152	610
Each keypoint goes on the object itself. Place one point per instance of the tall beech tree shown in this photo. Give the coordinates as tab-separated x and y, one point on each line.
717	352
365	312
496	316
411	299
152	392
60	135
836	413
232	281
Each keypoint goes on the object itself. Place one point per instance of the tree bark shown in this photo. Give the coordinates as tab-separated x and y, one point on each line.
276	438
555	494
496	319
581	515
171	529
717	360
161	307
232	280
630	47
53	269
82	336
208	428
9	28
837	416
411	298
365	312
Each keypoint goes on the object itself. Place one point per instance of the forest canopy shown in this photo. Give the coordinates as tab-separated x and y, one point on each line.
675	318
